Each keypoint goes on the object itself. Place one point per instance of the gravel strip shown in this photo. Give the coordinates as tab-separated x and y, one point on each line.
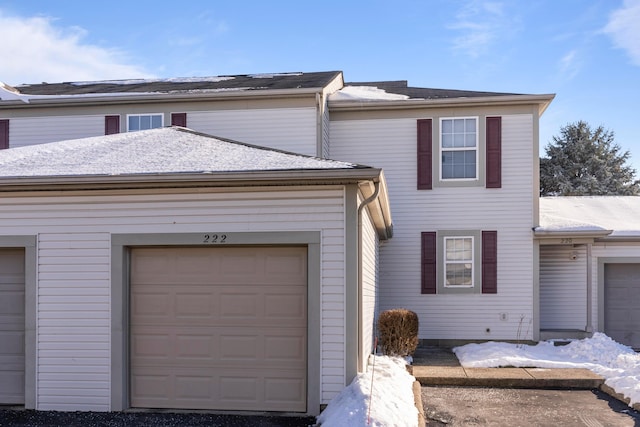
30	418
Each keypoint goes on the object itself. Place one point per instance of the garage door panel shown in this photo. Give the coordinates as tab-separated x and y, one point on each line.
232	389
622	299
12	326
219	328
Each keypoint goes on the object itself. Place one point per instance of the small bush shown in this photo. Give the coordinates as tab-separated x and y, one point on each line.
398	332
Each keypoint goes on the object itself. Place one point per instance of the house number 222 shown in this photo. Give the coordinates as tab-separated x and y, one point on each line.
215	238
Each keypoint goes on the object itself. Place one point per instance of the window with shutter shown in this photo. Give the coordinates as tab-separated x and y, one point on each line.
494	152
111	125
459	262
425	154
4	134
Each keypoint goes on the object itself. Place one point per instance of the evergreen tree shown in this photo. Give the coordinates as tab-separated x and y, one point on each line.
586	162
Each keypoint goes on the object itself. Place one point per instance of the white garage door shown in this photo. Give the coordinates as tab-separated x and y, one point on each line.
622	302
219	328
11	326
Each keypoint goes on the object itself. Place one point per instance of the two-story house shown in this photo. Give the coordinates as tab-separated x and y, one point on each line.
117	249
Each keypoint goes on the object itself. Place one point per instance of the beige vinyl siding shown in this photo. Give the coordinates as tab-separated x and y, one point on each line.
289	129
391	145
563	289
40	130
73	293
369	285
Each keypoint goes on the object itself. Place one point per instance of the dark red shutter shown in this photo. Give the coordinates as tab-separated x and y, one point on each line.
425	155
4	134
428	261
494	152
111	125
179	119
489	262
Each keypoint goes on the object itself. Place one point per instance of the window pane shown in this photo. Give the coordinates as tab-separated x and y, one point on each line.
470	125
447	140
458	140
459	275
134	123
470	140
447	126
145	122
458	125
156	121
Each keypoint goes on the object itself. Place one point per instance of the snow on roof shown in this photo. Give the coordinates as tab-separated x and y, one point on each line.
591	213
214	79
168	150
365	93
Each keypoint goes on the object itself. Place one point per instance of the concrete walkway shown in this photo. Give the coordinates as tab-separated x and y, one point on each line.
435	366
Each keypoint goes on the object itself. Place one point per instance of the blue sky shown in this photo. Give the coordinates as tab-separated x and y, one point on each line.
587	52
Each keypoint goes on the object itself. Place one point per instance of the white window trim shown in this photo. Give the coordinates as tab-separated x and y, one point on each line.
470	261
476	149
145	114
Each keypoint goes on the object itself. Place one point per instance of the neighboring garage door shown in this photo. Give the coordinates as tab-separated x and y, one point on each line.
11	326
219	328
622	302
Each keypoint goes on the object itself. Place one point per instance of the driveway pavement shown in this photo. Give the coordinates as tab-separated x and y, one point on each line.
469	406
26	418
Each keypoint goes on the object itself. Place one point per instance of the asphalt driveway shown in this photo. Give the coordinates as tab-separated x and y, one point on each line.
25	418
468	406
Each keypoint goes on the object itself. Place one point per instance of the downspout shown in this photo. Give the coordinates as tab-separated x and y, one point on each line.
589	327
319	127
361	363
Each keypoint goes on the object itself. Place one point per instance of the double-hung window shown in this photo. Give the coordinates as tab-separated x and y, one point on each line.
459	148
458	261
137	122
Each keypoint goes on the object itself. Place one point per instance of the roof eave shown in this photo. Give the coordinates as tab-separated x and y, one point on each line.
184	180
543	102
570	234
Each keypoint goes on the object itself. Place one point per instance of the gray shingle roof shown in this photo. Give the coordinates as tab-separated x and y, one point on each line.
192	84
170	150
401	87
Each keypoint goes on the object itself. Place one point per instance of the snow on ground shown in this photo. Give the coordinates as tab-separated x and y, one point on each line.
391	398
617	363
386	402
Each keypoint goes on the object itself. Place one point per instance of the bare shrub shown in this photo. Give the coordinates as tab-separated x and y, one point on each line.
398	332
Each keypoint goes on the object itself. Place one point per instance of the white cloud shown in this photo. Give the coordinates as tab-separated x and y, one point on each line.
570	65
479	23
624	30
35	50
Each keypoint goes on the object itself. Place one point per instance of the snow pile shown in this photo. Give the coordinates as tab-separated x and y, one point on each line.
391	401
617	363
365	93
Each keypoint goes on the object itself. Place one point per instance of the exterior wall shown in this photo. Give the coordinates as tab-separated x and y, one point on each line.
40	130
391	145
370	306
290	125
291	129
73	281
563	287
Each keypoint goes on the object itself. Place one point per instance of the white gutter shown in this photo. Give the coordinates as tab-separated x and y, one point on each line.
364	104
360	274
